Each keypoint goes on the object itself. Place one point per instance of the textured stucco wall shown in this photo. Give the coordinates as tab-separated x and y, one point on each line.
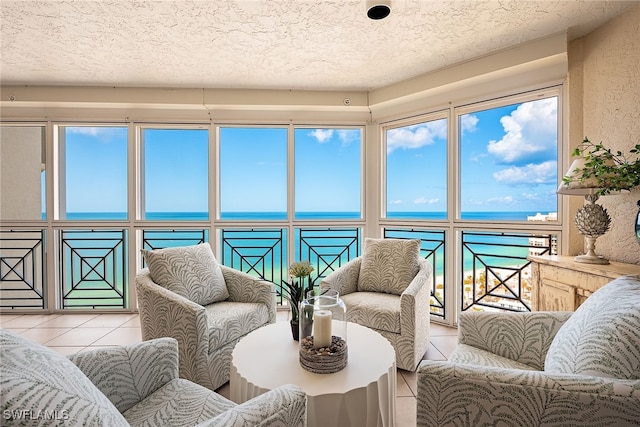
605	67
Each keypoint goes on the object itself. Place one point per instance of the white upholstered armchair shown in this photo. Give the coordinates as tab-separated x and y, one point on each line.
388	289
185	294
541	368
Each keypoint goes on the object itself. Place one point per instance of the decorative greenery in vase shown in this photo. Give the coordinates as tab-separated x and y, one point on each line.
613	171
294	291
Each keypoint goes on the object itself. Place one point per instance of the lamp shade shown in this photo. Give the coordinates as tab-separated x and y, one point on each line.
576	186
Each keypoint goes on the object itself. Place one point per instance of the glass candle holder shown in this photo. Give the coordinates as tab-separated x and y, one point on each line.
323	332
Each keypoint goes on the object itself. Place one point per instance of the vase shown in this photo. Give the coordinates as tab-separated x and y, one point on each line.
323	332
295	329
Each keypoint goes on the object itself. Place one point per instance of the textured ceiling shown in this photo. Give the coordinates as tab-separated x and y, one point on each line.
279	44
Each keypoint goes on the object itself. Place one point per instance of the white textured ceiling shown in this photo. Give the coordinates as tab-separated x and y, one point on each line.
278	44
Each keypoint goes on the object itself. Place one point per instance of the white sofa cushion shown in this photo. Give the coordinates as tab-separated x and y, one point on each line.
602	338
42	386
388	265
190	271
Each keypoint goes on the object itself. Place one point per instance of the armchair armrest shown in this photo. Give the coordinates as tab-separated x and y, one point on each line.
510	397
166	314
522	337
417	294
345	278
283	406
243	287
128	374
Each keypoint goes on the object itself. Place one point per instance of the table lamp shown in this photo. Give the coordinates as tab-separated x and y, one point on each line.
592	220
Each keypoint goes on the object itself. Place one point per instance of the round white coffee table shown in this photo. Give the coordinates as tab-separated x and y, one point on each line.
362	394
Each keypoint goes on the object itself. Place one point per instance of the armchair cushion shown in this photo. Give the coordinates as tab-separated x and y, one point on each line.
34	378
374	310
388	265
601	338
229	321
190	271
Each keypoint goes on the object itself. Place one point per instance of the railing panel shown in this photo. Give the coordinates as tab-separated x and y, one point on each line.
496	272
22	269
93	268
160	239
432	248
327	249
260	252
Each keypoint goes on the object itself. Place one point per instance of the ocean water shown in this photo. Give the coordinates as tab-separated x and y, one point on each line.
492	248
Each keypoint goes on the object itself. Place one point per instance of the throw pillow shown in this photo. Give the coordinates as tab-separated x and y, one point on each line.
388	265
602	337
190	271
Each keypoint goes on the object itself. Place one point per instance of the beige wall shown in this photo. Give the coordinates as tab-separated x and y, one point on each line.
604	97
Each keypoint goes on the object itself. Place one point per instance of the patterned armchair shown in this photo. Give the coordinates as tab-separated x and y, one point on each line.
388	289
541	368
185	294
134	385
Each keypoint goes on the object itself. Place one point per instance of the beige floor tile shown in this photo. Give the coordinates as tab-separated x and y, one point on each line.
29	320
108	320
16	330
411	380
402	388
405	412
43	335
133	323
67	321
433	353
79	337
120	336
67	351
436	330
6	317
444	344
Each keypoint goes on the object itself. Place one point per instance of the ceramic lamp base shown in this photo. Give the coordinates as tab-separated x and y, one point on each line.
589	259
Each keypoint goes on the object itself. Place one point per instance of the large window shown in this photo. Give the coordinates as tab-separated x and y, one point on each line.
93	172
509	160
176	174
416	170
328	173
253	173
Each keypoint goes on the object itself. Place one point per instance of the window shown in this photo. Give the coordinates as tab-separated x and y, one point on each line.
508	160
328	173
253	173
176	174
416	170
93	172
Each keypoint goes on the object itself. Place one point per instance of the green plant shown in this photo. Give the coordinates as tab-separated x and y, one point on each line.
294	290
612	171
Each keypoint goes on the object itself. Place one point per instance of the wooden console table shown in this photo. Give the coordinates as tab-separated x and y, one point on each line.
561	284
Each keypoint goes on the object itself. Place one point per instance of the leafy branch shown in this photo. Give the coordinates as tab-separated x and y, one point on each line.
613	171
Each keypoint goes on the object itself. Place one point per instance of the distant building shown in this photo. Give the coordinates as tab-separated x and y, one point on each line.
540	244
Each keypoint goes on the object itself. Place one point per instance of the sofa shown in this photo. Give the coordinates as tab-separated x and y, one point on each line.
573	369
184	293
135	385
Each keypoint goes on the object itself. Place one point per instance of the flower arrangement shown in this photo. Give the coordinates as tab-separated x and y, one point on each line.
294	290
612	171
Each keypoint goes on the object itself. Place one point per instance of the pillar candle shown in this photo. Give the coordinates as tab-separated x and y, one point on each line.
322	328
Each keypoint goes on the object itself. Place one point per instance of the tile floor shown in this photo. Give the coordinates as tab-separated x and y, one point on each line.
71	333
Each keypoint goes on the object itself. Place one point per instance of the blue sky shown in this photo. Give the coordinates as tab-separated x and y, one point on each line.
508	163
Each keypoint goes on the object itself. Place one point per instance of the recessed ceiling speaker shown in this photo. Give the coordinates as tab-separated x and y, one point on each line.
378	9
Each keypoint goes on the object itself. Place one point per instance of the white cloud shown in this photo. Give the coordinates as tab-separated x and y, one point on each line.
424	201
396	202
416	136
500	200
543	173
468	123
322	135
530	133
